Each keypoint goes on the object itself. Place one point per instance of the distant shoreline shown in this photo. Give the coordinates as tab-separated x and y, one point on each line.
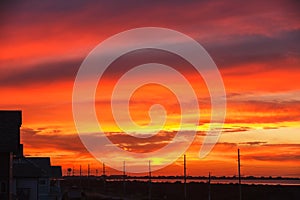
97	188
191	177
249	180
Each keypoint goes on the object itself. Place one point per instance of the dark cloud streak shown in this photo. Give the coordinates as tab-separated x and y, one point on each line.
273	52
43	73
247	49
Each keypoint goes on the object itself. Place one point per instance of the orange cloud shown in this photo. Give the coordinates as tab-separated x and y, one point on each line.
255	47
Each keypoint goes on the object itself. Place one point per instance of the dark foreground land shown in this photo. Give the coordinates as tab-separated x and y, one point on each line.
91	189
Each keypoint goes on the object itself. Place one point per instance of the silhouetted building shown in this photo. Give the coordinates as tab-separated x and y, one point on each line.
10	123
21	177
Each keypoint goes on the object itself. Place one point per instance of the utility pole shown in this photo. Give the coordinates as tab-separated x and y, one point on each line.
239	169
103	169
73	173
209	190
124	176
103	176
10	176
80	174
184	172
149	197
88	170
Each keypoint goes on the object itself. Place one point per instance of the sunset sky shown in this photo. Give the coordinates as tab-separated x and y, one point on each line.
256	47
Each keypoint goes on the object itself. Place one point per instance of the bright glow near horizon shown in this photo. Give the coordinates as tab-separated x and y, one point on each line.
256	51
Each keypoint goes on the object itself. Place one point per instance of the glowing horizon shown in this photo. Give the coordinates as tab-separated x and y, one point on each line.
255	48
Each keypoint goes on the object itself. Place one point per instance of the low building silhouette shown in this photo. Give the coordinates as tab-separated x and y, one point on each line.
26	178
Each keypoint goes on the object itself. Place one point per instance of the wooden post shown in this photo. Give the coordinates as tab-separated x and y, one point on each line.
103	169
149	192
184	172
104	178
10	181
209	190
124	175
80	174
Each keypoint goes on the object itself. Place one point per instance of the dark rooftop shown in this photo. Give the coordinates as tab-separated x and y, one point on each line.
10	122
